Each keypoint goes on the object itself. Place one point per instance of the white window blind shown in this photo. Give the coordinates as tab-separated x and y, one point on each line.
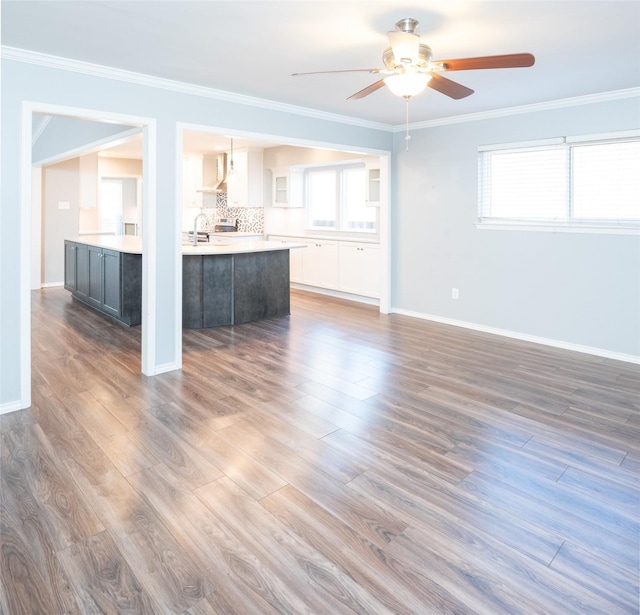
606	180
593	183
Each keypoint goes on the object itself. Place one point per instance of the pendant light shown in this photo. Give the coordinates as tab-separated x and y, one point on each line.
231	175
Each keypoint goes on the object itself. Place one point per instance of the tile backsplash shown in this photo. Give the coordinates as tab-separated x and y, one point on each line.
250	219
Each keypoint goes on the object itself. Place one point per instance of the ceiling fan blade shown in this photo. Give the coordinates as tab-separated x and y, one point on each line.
448	87
513	60
350	70
368	90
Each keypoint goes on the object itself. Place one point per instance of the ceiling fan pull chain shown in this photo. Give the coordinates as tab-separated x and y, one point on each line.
407	136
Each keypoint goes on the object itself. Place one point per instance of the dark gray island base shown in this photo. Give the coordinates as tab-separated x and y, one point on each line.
221	285
231	289
110	281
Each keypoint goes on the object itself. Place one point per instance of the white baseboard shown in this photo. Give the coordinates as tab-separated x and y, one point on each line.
599	352
10	406
166	367
336	293
50	284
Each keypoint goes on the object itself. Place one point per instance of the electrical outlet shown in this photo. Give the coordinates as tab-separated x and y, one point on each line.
455	293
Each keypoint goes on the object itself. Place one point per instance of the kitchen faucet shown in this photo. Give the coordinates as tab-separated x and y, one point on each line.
195	228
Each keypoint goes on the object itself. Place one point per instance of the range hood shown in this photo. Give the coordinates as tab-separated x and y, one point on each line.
214	174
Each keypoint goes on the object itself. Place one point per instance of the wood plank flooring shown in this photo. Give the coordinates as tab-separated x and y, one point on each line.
333	461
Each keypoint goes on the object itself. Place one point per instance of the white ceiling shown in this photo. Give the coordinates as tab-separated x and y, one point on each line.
252	47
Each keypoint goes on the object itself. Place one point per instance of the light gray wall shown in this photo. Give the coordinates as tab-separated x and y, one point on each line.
48	85
576	288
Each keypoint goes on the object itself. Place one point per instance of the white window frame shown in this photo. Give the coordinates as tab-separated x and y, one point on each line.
568	223
339	228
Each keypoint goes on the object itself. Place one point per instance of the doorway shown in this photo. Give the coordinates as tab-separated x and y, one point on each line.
28	234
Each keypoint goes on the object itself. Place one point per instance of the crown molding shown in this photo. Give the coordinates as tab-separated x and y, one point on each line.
588	99
108	72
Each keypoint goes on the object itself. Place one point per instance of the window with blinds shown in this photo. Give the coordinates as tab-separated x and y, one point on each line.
586	181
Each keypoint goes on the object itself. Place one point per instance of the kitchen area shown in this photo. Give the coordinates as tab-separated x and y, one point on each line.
247	237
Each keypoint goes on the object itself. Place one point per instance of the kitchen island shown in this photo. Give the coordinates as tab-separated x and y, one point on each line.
221	284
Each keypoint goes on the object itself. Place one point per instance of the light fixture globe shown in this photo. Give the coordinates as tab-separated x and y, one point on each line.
407	84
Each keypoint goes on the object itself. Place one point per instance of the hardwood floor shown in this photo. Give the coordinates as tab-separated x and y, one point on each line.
333	461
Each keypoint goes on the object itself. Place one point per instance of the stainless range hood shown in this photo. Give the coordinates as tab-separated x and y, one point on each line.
214	174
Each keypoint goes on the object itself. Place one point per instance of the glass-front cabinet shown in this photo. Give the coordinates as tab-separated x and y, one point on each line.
280	190
288	187
373	185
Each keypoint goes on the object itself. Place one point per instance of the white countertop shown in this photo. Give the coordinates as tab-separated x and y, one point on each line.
239	247
352	238
122	243
133	245
232	234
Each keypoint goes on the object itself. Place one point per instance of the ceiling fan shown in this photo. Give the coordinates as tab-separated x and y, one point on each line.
409	66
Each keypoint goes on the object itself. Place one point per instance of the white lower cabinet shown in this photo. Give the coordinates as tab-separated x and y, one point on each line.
347	266
295	264
320	264
359	268
247	190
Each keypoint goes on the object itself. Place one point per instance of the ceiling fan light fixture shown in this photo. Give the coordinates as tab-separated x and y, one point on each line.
407	84
405	47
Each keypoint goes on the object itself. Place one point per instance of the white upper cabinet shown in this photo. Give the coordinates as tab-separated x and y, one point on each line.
191	181
287	187
373	185
247	188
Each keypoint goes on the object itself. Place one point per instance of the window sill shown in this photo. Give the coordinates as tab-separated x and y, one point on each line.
557	228
339	233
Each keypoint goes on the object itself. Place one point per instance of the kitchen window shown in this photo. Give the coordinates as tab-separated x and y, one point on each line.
111	205
336	199
580	182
